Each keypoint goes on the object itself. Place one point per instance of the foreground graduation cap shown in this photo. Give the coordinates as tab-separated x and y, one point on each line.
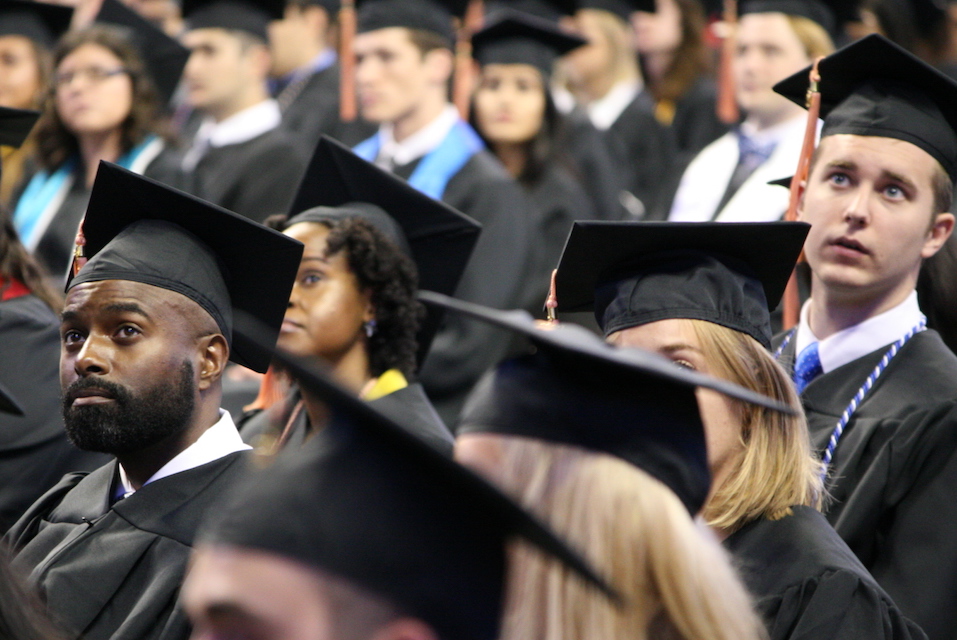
553	10
576	389
435	16
813	10
437	237
41	22
164	57
369	502
514	38
621	8
875	88
630	274
140	230
15	125
251	16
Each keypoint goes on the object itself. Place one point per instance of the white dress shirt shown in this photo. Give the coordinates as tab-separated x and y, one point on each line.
854	342
393	153
605	112
239	127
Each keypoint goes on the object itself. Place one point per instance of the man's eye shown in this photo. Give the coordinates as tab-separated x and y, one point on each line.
71	337
128	331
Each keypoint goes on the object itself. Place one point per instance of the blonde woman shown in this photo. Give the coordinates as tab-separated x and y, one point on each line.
698	294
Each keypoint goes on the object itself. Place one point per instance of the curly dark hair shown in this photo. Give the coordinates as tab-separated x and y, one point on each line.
55	143
392	278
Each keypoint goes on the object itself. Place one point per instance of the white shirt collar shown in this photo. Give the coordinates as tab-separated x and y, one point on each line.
218	441
247	124
850	344
393	153
605	111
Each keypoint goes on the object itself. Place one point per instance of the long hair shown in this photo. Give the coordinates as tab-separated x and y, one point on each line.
691	59
775	469
55	143
674	578
17	263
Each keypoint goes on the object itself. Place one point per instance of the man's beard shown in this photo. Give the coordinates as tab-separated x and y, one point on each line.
129	423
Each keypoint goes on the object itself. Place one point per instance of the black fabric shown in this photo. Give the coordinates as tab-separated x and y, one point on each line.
552	10
621	8
593	162
15	125
114	572
514	38
41	22
894	471
813	10
251	16
434	16
808	584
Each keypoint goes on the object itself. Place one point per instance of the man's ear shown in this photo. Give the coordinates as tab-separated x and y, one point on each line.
405	629
802	190
213	356
937	235
438	65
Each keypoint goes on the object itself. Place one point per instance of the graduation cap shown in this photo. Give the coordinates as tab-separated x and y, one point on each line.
369	502
15	125
621	8
813	10
8	403
875	88
553	10
633	273
515	38
140	230
165	58
41	22
435	16
437	237
251	16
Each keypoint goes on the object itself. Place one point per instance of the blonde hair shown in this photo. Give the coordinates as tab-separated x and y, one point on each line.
618	35
775	468
812	36
674	578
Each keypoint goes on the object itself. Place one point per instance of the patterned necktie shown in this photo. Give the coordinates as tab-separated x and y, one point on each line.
807	367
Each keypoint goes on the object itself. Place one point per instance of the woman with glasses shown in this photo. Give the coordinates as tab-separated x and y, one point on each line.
102	105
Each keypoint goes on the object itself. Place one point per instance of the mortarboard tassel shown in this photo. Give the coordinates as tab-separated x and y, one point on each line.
347	68
78	258
464	66
551	302
271	391
726	105
792	300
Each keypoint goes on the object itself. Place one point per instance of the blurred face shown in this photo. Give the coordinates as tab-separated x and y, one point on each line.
595	58
243	594
870	204
676	339
510	103
288	38
19	73
217	71
658	32
94	94
767	51
326	308
392	76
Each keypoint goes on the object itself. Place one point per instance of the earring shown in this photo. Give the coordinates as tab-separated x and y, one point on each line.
369	327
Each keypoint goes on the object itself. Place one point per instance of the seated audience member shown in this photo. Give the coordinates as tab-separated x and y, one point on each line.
367	235
727	181
367	532
700	295
877	198
103	106
240	158
147	328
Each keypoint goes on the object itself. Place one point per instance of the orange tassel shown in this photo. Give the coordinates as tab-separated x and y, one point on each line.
551	302
79	259
347	62
792	299
271	390
464	66
726	106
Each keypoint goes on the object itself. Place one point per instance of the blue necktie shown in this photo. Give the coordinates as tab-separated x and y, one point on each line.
807	367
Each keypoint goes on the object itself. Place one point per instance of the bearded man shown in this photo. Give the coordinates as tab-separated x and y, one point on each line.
146	332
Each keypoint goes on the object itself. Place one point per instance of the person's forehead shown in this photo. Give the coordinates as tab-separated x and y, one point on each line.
209	36
106	296
765	27
878	154
388	37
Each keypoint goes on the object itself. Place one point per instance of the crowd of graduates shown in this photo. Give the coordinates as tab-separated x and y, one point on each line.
465	320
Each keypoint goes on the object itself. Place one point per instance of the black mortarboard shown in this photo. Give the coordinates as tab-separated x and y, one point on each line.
141	230
633	273
577	389
41	22
437	237
813	10
553	10
621	8
8	404
369	502
251	16
435	16
875	88
515	38
164	57
15	125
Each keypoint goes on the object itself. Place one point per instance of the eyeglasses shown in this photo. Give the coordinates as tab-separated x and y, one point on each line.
94	75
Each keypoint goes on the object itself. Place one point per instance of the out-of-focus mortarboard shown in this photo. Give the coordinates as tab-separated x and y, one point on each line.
875	88
8	404
813	10
515	38
251	16
553	10
631	274
164	57
41	22
140	230
435	16
576	389
369	502
440	239
621	8
15	125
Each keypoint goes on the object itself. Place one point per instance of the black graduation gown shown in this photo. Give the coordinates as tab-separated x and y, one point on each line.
256	178
495	276
696	123
408	406
601	177
115	572
34	450
807	583
892	480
